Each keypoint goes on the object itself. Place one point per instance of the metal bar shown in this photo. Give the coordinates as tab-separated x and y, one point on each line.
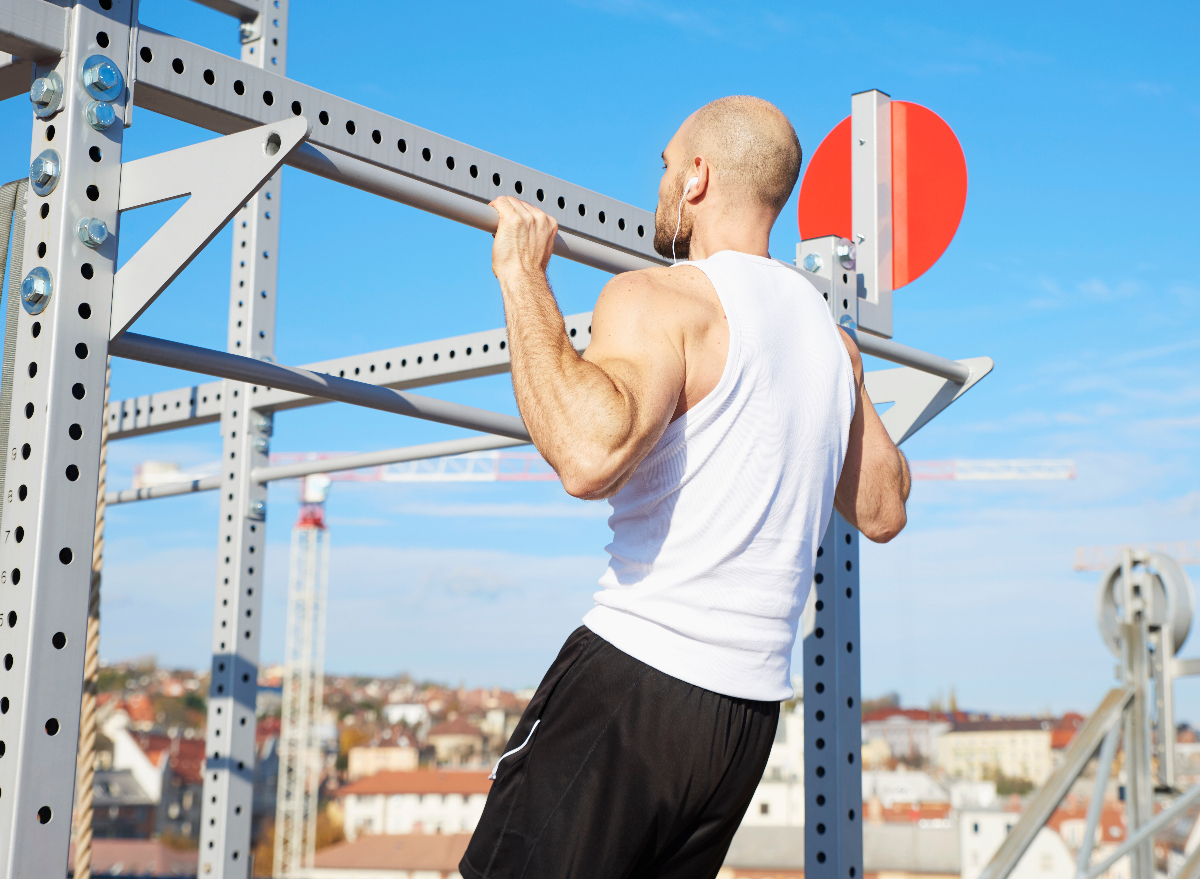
408	366
1049	795
1143	836
16	75
243	10
382	458
53	447
894	352
416	193
150	492
1191	867
871	200
1108	751
226	813
833	847
132	346
38	31
242	96
1139	801
1185	667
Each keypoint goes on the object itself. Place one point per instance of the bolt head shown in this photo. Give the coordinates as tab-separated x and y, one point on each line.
845	251
92	232
107	75
813	263
42	170
261	445
258	510
100	115
264	425
102	78
43	91
36	289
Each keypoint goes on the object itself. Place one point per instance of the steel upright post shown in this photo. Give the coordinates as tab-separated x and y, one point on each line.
54	414
833	847
1139	776
871	200
225	843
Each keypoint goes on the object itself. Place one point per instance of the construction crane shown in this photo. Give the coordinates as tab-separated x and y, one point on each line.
303	685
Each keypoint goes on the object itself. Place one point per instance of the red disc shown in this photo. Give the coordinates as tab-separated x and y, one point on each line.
929	189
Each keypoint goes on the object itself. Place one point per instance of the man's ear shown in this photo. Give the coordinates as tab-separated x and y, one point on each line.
700	170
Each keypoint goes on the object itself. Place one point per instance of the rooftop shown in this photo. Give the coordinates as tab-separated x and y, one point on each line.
420	781
434	852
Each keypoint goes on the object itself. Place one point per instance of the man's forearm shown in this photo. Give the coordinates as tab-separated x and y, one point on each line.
572	409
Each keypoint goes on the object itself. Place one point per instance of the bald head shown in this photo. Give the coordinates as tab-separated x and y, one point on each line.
750	145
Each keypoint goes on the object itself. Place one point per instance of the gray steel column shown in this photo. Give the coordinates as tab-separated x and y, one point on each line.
871	199
1139	778
225	844
52	459
832	714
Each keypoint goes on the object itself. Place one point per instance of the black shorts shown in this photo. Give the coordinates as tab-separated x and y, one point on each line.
628	772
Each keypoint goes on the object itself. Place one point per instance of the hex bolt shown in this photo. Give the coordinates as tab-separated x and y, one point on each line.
44	171
845	251
92	232
36	290
102	78
44	91
100	115
264	425
247	31
46	94
258	510
813	263
262	445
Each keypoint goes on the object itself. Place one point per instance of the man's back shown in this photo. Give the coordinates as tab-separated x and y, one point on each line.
715	533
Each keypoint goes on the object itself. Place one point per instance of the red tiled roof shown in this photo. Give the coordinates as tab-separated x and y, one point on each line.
420	781
186	756
414	851
911	713
457	727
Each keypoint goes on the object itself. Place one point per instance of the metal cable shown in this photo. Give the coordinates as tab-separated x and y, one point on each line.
11	195
91	668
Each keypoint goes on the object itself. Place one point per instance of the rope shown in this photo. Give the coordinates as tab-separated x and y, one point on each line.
91	666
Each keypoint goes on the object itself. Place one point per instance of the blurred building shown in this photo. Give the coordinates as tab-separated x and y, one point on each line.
398	754
911	734
412	856
457	742
425	801
979	749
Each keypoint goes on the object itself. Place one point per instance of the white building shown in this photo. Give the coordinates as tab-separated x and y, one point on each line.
414	714
900	786
982	832
425	801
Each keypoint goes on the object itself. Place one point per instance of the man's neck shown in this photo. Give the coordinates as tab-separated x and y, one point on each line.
751	236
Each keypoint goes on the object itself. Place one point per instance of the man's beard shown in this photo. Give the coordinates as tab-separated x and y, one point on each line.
665	220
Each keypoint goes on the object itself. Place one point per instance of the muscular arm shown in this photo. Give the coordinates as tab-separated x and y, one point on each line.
875	481
593	418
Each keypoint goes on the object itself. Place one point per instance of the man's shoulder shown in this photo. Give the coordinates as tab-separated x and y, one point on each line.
660	286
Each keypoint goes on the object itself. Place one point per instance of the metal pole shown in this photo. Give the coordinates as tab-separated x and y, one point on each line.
871	200
1139	796
832	713
1096	807
225	834
291	378
53	450
1143	837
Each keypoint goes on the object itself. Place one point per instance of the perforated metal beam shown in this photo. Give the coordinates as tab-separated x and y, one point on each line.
53	456
242	96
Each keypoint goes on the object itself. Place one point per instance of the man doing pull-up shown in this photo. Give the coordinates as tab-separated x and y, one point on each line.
723	415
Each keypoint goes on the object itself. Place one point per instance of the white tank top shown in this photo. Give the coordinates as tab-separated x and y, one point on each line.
715	536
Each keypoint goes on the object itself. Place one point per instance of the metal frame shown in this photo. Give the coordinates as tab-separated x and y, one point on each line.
379	154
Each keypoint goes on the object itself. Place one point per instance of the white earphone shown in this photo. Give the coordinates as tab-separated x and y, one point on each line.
679	214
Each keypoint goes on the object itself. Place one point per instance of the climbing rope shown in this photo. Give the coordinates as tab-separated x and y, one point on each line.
91	667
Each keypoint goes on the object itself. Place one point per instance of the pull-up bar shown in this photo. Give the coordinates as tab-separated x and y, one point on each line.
146	349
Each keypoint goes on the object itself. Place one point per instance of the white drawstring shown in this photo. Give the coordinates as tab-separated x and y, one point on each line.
496	769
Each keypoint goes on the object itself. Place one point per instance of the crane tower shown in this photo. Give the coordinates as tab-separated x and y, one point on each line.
303	684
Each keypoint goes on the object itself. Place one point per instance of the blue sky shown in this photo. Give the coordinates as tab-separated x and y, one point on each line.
1075	268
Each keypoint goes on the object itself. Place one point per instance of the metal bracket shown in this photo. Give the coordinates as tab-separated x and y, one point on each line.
219	175
918	396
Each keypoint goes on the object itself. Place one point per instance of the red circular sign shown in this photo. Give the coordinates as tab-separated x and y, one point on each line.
929	189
